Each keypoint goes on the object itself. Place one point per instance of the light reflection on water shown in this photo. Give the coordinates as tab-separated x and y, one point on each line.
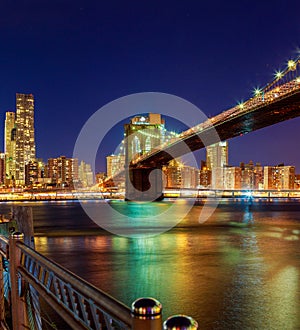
239	270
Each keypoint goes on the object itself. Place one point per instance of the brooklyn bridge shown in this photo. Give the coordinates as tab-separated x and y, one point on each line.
277	101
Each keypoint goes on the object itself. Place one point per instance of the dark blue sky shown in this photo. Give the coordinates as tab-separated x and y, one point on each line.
76	56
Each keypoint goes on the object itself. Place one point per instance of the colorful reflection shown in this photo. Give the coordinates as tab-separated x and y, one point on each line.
240	270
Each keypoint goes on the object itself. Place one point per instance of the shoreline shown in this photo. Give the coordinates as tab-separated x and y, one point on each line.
196	200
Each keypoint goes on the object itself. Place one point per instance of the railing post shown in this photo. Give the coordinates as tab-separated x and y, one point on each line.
2	299
146	314
19	316
180	322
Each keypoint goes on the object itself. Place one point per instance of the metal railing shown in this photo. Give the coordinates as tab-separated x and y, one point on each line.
78	302
82	304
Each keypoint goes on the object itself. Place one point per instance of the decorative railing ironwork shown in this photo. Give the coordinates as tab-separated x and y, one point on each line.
79	303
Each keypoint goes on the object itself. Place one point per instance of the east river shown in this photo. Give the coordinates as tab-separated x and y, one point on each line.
240	269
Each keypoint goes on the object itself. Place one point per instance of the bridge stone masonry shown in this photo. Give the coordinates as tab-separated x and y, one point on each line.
276	102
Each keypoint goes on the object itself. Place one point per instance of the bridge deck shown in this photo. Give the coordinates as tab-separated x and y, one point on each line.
228	125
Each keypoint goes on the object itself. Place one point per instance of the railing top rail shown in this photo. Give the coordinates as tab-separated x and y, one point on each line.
4	240
4	243
106	302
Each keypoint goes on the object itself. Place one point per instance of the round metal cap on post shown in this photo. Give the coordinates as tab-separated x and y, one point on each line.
17	235
146	314
180	322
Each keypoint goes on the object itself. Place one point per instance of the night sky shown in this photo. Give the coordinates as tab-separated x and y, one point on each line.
76	56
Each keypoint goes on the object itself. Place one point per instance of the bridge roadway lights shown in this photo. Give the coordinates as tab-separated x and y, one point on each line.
180	322
146	314
144	184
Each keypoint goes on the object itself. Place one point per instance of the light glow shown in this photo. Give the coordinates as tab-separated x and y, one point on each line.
278	74
241	105
292	65
257	91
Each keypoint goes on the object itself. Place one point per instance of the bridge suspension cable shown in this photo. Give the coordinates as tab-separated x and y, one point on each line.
285	82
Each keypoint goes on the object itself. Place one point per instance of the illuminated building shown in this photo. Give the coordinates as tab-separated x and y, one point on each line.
205	175
35	174
216	160
297	181
178	175
63	171
217	155
190	177
31	173
25	142
2	169
85	174
100	176
251	176
279	177
173	175
10	146
114	164
232	177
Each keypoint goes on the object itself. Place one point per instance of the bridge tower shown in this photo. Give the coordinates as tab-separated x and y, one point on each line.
142	134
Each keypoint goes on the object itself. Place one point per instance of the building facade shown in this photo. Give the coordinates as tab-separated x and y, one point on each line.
114	164
205	175
216	160
279	177
173	175
63	171
10	147
2	169
85	174
177	175
25	139
32	174
232	177
252	176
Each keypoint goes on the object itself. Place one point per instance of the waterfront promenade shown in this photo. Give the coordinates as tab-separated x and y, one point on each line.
21	195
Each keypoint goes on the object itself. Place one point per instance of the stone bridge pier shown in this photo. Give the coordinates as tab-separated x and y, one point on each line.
144	183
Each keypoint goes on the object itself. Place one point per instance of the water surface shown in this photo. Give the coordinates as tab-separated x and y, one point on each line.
238	270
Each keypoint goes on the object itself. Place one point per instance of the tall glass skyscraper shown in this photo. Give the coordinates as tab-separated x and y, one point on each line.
10	146
217	155
216	160
25	141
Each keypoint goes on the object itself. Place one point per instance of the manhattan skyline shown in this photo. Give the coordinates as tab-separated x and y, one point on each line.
75	57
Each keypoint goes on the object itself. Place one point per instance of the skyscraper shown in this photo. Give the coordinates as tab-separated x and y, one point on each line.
216	160
2	168
25	142
217	155
10	146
